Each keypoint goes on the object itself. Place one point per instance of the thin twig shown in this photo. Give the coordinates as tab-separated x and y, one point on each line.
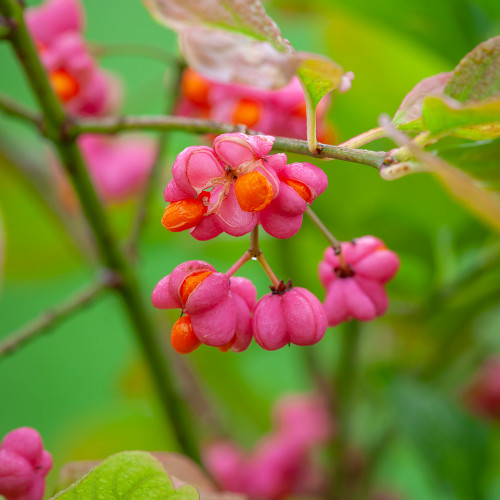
138	50
113	125
334	242
267	268
16	110
53	316
365	138
118	124
197	398
242	260
255	252
373	460
254	242
344	384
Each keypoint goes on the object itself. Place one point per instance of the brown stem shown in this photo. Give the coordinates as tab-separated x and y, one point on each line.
53	316
197	125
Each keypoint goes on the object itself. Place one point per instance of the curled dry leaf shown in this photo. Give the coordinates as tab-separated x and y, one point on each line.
241	16
235	41
234	58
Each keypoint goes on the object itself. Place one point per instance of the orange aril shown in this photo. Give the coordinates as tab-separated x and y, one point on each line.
183	338
247	112
300	188
184	214
194	87
300	110
64	85
225	347
190	283
253	191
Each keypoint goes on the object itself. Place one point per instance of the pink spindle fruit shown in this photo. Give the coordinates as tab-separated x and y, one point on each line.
355	280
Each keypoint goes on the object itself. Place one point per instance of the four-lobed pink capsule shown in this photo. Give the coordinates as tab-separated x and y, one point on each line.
355	282
23	465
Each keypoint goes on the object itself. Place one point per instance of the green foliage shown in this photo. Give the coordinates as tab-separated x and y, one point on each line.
133	475
452	445
442	116
319	76
479	159
389	45
468	107
477	77
2	249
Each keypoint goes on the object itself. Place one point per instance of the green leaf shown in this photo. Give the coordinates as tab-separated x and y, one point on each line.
477	77
134	475
319	76
410	110
480	120
453	446
483	203
478	159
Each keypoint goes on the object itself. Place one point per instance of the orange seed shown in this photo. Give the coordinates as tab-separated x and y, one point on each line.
253	191
300	110
64	85
195	87
300	188
246	112
227	345
184	214
183	338
190	283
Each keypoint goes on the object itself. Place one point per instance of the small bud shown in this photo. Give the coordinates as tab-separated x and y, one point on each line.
227	345
183	338
253	192
184	214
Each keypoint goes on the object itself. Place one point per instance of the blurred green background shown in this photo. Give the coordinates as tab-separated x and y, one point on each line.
83	385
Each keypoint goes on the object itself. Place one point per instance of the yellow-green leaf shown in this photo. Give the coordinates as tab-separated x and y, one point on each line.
442	115
134	475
